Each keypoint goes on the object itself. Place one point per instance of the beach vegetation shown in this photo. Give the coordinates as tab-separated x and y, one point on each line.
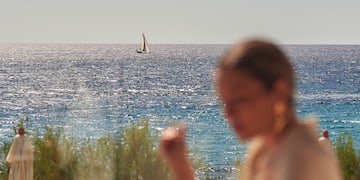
4	166
349	159
131	155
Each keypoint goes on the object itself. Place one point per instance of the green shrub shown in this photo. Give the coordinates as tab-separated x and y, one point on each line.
54	156
96	160
140	154
348	158
4	166
133	155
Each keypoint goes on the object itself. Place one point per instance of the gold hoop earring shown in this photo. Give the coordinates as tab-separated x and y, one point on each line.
280	121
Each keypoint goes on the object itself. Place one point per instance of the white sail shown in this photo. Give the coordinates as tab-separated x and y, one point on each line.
144	48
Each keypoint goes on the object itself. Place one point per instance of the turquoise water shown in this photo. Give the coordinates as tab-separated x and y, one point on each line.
93	90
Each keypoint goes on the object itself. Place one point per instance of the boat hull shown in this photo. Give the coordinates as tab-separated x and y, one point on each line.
141	51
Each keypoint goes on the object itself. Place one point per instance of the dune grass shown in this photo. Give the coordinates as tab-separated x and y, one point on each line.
348	158
132	155
4	166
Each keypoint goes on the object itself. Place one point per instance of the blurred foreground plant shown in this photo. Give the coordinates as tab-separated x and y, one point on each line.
4	166
348	158
54	156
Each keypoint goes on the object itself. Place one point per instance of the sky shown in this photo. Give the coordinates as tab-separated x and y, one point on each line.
180	21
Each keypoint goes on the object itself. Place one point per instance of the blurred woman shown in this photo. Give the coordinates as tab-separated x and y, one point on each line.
20	158
256	83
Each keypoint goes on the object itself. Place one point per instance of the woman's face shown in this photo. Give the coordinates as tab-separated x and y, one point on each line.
248	106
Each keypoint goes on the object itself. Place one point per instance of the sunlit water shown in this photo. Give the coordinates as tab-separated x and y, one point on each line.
94	90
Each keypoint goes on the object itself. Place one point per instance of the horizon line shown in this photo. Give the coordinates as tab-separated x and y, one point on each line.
114	43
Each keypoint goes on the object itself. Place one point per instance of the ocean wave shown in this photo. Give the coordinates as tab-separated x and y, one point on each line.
355	96
347	121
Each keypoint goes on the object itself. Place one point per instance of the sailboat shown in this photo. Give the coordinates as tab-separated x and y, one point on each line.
144	46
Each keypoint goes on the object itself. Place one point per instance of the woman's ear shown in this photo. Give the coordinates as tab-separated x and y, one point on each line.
281	90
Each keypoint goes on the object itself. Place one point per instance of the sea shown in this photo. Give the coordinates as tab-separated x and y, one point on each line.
92	90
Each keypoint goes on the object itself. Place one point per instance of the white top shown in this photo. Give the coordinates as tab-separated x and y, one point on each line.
327	144
20	149
299	155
